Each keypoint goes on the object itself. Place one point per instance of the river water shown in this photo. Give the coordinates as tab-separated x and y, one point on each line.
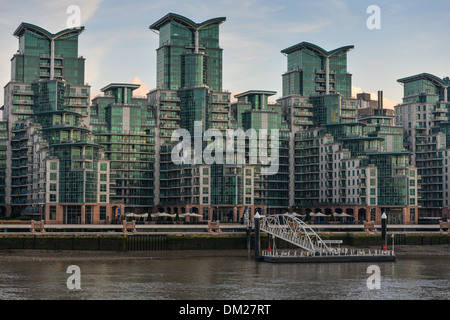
216	276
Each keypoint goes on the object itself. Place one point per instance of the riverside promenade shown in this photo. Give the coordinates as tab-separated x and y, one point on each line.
223	228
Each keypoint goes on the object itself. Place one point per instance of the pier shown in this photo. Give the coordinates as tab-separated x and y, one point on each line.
337	256
311	247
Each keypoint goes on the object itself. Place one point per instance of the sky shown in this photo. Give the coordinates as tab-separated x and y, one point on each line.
119	46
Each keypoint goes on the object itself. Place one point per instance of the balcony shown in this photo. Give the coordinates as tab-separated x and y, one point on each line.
78	94
303	113
165	107
170	116
303	122
23	101
25	92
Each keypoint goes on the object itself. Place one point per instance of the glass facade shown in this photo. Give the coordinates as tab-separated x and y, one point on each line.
73	161
256	113
55	164
314	71
65	133
43	55
3	160
339	160
124	126
189	54
424	117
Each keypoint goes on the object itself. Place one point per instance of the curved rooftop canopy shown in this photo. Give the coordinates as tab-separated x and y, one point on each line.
254	92
184	21
315	48
132	86
441	82
28	26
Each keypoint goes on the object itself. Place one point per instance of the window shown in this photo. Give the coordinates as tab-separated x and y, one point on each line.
53	166
103	198
102	212
52	213
103	188
103	177
52	197
103	167
52	186
53	176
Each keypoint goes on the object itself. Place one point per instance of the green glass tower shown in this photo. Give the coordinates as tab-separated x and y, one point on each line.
69	142
189	55
44	55
424	115
255	112
55	166
189	70
124	125
342	162
313	71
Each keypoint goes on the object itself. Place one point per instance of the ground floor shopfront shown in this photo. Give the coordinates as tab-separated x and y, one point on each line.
95	213
222	213
360	214
89	213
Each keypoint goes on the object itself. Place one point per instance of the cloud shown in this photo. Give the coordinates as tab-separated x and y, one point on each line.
61	16
233	96
142	90
51	15
95	54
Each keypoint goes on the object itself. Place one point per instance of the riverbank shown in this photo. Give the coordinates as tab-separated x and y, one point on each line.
141	244
401	251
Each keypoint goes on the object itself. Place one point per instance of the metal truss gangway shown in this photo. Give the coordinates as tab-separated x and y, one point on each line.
293	230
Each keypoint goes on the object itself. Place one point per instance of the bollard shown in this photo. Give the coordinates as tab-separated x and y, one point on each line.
256	220
383	231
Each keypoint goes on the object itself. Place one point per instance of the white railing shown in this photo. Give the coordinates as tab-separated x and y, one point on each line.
293	230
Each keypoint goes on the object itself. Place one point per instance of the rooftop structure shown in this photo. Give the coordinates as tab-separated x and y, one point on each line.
315	71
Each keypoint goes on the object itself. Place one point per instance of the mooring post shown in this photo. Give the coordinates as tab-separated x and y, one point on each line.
257	236
383	231
249	235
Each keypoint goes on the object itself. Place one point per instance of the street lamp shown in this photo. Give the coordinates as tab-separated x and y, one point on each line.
383	231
